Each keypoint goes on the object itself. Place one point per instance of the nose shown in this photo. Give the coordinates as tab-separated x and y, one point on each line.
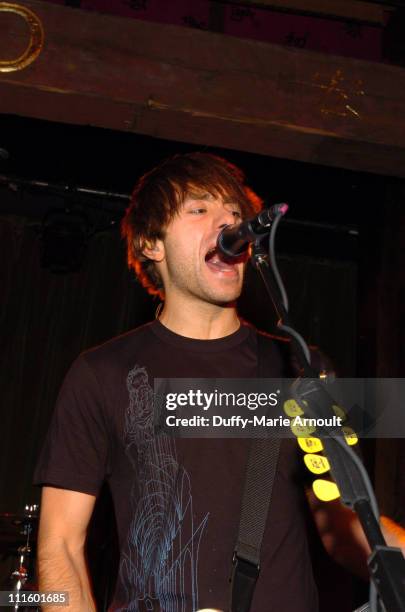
224	217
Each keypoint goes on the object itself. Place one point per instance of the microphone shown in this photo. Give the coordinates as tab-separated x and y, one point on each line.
235	239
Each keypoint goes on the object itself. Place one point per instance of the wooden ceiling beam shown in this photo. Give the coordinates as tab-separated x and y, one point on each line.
353	10
209	89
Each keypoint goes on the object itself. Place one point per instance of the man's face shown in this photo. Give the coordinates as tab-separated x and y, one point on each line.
190	267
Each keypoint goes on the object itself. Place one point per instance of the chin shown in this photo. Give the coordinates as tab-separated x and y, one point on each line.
225	298
220	292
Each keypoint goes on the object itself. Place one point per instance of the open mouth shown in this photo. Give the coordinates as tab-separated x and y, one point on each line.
218	262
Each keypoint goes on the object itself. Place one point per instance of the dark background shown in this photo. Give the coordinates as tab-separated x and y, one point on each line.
340	248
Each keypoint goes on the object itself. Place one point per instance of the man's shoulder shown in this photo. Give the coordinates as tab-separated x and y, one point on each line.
120	349
268	341
281	347
274	355
272	339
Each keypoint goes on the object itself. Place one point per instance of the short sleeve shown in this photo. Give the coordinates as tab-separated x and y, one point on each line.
76	449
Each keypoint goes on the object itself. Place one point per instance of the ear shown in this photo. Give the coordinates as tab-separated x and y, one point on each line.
154	250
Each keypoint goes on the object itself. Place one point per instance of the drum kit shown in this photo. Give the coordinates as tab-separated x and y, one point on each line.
18	535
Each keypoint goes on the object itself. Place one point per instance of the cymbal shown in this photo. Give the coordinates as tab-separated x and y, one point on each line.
14	529
8	518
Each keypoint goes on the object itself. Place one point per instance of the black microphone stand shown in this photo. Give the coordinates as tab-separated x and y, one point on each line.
386	564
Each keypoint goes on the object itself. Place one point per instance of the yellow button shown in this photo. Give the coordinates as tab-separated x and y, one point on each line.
325	490
292	408
303	431
338	410
317	464
350	436
310	445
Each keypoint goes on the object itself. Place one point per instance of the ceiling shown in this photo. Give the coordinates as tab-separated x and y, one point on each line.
49	164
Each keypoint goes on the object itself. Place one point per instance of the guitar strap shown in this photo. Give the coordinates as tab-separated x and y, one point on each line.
256	498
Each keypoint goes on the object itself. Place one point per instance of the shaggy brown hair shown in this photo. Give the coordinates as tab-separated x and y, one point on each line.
159	194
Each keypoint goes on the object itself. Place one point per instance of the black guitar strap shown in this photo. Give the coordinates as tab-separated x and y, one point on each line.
259	479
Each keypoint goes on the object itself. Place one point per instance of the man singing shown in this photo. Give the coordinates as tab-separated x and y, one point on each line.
177	501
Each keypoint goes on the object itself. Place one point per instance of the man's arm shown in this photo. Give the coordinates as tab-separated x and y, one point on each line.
343	537
63	525
393	533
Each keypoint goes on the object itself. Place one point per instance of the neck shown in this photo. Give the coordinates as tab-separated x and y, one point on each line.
200	320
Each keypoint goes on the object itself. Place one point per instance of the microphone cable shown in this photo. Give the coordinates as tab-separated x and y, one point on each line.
282	289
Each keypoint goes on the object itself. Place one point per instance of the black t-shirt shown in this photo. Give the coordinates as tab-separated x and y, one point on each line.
177	501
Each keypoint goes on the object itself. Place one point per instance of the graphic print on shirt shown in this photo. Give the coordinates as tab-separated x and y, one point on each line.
160	560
